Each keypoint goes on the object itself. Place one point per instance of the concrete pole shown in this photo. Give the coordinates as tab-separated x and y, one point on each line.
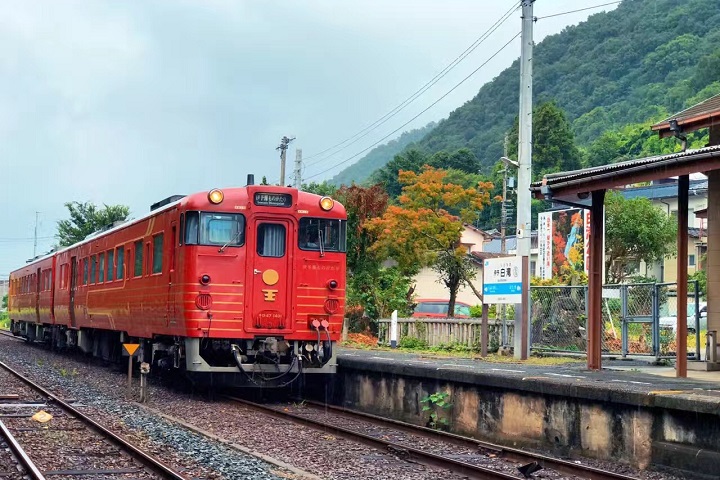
524	221
298	169
284	144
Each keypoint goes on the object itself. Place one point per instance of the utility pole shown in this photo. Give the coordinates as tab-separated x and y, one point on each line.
503	224
35	242
524	220
298	169
284	143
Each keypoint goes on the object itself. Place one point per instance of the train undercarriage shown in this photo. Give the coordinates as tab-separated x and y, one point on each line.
262	361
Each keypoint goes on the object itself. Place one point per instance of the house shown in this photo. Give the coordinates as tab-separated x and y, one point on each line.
664	195
475	240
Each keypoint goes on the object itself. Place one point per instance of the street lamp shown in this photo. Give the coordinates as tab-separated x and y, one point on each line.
509	162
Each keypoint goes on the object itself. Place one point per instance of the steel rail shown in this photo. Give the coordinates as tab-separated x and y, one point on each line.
509	453
156	466
30	468
404	451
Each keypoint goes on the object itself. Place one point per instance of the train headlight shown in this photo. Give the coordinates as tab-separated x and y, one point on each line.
327	203
216	196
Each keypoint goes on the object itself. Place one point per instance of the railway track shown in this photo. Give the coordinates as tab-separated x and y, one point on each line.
70	444
463	455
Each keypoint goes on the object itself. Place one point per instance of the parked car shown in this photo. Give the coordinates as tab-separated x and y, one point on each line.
670	321
438	308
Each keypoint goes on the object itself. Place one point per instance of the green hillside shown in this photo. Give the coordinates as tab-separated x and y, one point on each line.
639	62
377	157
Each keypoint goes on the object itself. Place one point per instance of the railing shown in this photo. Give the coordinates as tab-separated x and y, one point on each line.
638	319
435	332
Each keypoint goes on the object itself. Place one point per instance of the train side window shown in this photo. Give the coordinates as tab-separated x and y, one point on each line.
85	271
101	268
93	269
120	263
271	240
138	258
110	265
192	228
157	255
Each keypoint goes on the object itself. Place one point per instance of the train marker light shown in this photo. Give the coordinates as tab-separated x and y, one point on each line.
327	203
216	196
205	279
332	284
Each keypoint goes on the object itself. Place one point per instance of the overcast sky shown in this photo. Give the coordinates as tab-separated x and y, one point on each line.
131	102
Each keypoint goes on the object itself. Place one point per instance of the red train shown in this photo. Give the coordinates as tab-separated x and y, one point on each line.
234	287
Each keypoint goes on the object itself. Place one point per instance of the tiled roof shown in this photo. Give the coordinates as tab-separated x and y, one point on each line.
664	190
701	111
593	174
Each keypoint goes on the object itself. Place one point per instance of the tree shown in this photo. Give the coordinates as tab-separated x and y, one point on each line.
412	160
86	218
373	291
553	141
5	301
421	231
634	230
324	188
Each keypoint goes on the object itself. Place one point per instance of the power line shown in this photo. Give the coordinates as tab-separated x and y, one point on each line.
575	11
423	111
365	131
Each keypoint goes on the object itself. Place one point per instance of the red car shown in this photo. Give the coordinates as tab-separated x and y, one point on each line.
438	308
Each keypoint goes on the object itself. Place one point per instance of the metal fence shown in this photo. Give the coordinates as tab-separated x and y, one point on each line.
638	319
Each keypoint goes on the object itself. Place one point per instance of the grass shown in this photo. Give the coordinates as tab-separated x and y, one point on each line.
463	351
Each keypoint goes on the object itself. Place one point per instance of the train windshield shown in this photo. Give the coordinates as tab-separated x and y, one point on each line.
322	234
211	228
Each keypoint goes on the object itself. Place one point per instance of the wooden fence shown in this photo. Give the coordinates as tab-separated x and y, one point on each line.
445	331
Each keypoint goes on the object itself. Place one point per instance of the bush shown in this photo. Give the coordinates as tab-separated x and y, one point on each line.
412	343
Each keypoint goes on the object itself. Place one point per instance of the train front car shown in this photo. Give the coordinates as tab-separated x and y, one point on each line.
263	292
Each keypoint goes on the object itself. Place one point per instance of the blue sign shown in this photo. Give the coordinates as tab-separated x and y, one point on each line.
502	280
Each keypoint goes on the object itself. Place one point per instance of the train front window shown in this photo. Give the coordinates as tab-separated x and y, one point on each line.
322	234
206	228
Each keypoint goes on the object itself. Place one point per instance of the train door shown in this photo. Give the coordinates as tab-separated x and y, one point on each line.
38	284
171	310
270	277
73	287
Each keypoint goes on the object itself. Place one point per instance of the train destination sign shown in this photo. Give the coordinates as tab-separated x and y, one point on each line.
273	199
502	280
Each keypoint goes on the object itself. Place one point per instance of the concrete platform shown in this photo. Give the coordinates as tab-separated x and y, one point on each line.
630	411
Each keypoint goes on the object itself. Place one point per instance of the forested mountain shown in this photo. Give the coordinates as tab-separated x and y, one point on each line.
640	62
377	157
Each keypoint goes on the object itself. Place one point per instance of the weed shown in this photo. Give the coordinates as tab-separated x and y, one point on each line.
435	404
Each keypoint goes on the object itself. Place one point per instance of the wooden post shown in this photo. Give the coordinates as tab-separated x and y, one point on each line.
682	276
597	234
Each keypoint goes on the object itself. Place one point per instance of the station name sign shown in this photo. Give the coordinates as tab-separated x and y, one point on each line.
273	199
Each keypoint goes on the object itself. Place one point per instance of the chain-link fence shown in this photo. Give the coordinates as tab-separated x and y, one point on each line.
638	319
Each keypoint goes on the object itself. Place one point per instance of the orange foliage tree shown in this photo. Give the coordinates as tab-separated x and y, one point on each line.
424	228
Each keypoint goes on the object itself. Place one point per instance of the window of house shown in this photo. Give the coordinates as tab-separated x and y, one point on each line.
138	258
691	259
110	265
120	263
157	256
101	268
